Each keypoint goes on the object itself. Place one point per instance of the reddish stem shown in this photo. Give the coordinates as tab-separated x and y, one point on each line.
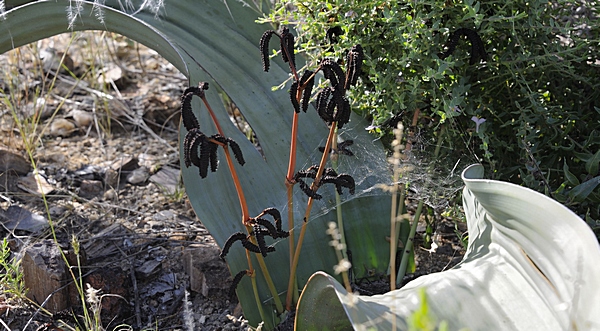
234	176
314	187
245	215
292	161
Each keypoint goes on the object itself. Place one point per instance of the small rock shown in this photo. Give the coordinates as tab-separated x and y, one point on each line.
158	287
123	49
155	225
88	172
17	218
44	274
57	211
51	60
8	183
445	227
110	195
111	178
138	176
125	163
53	158
90	188
164	216
99	246
114	283
37	109
36	184
10	161
148	160
82	118
118	108
206	270
111	75
62	127
167	179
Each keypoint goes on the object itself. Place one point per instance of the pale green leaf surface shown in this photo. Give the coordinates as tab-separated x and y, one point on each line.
531	264
218	42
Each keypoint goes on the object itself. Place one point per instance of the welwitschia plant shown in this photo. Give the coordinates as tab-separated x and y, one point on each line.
216	42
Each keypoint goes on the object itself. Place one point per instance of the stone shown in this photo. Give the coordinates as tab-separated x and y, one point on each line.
167	179
36	184
17	218
56	61
62	127
114	285
98	245
57	211
90	188
111	75
57	157
125	163
148	268
207	272
110	195
90	172
111	178
82	118
138	176
165	216
13	162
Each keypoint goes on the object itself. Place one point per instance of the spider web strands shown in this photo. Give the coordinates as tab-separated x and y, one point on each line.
367	187
437	180
368	169
434	187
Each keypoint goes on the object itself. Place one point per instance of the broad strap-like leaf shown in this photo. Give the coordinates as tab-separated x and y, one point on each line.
531	264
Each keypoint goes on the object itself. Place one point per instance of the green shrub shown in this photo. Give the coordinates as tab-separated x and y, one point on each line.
537	91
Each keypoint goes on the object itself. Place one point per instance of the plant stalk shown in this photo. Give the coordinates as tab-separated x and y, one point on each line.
395	209
341	254
261	311
234	176
396	212
313	187
338	201
289	183
409	244
246	216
